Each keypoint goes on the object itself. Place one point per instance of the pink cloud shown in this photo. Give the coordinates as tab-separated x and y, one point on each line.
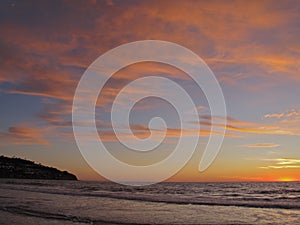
24	135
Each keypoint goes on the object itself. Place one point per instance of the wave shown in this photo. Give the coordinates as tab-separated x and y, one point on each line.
83	220
62	217
275	191
242	202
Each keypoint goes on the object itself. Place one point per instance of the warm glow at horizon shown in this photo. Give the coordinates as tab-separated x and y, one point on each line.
287	179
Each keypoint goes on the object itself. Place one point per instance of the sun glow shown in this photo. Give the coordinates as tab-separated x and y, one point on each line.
286	179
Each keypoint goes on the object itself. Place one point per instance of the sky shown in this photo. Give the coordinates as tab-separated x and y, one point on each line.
252	47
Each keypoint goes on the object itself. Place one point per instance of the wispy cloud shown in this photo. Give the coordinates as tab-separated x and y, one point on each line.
239	126
286	115
262	145
282	163
274	115
24	135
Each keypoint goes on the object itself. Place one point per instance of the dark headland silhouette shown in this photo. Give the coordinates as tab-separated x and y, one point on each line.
26	169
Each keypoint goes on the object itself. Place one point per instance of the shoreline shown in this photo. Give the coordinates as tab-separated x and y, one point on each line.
57	203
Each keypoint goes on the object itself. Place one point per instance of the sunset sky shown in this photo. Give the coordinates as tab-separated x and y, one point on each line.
252	47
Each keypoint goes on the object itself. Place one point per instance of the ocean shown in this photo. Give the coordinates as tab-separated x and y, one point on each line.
46	202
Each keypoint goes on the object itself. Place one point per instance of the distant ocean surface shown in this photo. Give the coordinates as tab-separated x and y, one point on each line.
33	202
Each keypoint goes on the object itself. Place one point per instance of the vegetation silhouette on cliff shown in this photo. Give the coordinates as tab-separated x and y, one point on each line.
26	169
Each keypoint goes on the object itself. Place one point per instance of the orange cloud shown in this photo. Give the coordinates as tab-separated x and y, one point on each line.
274	115
24	135
142	132
289	120
262	145
223	34
283	163
237	40
287	114
249	127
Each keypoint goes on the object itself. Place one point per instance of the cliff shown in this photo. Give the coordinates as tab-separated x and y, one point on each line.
25	169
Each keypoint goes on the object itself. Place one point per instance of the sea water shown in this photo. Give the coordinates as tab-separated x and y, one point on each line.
84	202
